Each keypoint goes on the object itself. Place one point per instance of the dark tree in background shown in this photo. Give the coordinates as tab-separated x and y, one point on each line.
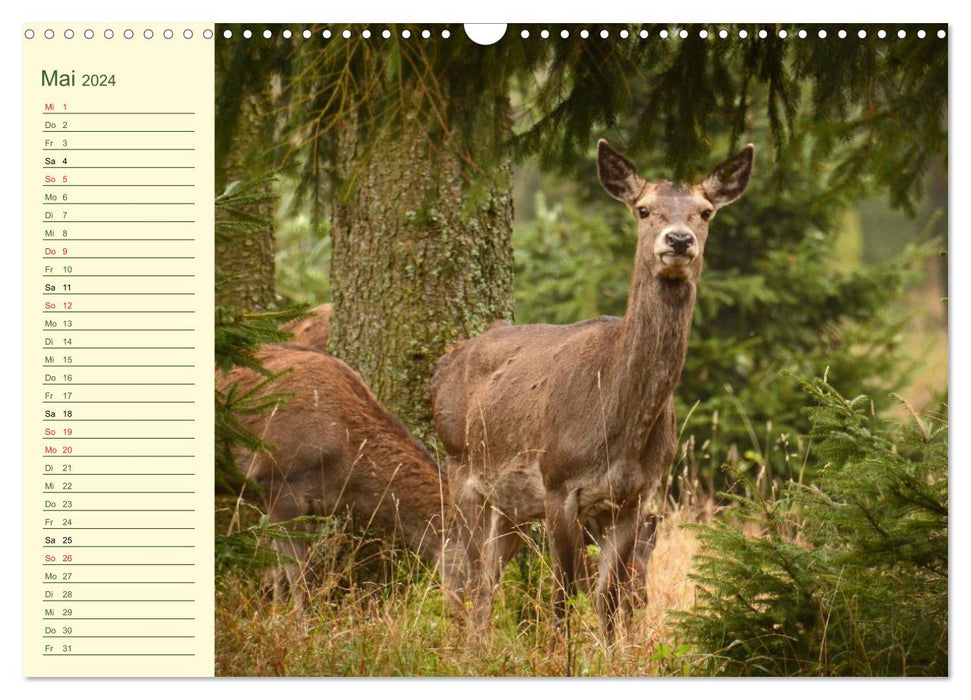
420	202
248	125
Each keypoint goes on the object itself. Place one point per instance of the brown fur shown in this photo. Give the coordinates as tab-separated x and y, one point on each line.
576	424
313	331
333	446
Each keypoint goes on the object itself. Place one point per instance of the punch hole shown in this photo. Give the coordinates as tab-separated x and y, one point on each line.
129	34
624	33
29	34
227	34
207	34
89	34
187	34
168	34
287	34
485	34
109	34
48	33
68	33
446	34
148	34
267	33
307	34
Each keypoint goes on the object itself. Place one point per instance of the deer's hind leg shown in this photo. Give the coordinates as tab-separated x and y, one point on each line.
291	577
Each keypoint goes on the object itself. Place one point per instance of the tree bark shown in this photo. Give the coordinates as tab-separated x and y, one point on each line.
422	257
245	262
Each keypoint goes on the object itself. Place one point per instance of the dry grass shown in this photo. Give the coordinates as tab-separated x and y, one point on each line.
401	626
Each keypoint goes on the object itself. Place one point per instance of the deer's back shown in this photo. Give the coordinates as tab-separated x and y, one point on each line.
331	443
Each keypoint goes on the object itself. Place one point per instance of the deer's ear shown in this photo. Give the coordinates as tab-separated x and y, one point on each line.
728	180
617	174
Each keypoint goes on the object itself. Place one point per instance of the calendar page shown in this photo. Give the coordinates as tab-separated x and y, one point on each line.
423	350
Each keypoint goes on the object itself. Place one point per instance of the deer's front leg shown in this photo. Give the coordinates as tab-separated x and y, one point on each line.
566	541
616	549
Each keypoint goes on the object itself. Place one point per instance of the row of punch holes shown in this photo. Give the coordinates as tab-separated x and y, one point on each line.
127	34
524	33
585	33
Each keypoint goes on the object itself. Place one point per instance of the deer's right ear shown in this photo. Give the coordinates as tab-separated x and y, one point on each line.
617	175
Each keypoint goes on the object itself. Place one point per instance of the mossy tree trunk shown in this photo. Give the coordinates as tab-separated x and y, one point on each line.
422	257
245	265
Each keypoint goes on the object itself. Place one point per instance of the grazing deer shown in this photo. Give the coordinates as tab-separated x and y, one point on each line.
576	424
333	446
313	331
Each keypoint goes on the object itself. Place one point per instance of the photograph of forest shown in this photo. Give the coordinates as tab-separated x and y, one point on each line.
601	350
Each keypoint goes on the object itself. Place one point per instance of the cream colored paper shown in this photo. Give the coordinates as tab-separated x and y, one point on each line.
117	348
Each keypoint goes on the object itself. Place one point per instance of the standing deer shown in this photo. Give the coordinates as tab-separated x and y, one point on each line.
333	446
575	424
313	332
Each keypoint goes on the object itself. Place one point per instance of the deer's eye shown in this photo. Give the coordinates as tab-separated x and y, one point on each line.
706	214
643	212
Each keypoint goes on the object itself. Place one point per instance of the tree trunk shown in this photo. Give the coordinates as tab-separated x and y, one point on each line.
245	263
421	259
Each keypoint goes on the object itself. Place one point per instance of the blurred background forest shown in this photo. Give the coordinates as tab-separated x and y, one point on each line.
426	186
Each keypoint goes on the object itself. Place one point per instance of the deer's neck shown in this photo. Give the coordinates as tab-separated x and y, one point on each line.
650	351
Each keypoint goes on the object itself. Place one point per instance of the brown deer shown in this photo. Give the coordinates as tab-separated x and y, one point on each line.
576	423
333	446
313	331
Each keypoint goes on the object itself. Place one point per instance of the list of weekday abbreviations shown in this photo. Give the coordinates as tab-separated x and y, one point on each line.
117	350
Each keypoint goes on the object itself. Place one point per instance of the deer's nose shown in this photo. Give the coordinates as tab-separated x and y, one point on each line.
679	242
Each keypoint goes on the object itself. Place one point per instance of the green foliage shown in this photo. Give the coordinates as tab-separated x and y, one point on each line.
303	252
846	576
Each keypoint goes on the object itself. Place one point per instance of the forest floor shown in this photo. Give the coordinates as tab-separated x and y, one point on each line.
402	627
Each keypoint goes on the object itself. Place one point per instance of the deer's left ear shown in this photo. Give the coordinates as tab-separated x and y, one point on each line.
728	180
